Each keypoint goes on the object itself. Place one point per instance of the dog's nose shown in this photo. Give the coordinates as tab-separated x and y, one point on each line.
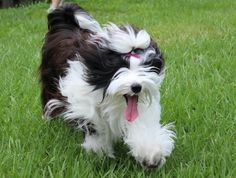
136	88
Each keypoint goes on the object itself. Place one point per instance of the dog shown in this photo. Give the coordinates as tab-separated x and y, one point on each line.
105	80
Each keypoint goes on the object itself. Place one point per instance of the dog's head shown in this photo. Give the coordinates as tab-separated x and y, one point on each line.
138	81
126	63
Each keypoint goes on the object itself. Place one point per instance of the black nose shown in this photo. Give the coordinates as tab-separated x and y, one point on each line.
136	88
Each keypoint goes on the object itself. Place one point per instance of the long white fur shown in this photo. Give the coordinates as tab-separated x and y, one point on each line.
51	106
147	139
85	21
124	40
113	37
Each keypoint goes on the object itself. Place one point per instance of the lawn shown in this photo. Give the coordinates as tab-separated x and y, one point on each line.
198	39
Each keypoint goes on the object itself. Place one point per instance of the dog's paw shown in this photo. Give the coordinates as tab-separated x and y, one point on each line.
97	145
151	146
149	157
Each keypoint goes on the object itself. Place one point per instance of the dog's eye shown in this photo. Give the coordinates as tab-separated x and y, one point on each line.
148	63
137	50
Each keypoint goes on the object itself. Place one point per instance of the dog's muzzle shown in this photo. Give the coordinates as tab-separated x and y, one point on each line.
131	112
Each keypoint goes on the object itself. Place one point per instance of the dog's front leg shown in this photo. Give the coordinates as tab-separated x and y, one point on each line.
99	140
149	142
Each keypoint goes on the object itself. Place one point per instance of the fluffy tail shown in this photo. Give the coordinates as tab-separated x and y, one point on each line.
73	15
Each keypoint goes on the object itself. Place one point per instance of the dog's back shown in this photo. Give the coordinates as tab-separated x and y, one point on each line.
61	43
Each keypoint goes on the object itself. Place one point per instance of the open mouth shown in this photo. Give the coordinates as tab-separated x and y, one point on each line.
131	112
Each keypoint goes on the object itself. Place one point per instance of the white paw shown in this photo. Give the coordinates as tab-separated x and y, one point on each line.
150	148
97	145
151	156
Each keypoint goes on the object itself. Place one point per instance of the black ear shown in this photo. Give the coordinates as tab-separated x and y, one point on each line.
158	62
157	59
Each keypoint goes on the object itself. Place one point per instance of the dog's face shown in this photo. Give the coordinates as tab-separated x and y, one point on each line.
131	68
139	80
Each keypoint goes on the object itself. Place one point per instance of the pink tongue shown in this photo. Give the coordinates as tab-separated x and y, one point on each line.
131	112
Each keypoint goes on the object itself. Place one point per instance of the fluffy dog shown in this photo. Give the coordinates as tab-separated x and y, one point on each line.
105	80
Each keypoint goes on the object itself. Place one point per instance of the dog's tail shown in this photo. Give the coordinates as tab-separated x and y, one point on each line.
71	15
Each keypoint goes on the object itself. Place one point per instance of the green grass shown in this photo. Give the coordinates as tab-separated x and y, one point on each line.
199	92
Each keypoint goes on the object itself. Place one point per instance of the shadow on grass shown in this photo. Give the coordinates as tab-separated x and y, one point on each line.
66	142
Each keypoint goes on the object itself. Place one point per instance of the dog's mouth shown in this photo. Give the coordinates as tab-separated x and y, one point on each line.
131	112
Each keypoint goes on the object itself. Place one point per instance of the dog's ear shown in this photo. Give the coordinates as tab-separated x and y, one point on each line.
157	58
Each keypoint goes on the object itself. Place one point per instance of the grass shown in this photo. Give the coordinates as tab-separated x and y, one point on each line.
199	92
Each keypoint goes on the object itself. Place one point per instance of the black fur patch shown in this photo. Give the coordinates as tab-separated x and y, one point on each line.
155	60
101	66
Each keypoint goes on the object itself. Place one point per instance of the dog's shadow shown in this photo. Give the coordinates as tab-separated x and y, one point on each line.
123	164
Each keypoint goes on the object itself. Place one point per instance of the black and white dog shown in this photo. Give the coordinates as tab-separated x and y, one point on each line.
105	80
